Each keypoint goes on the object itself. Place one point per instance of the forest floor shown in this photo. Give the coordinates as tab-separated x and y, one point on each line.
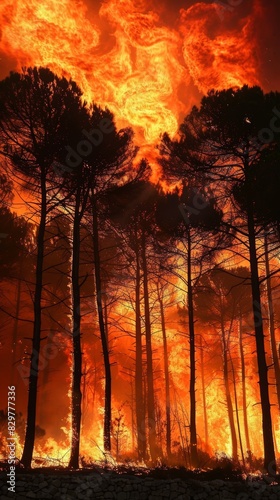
135	483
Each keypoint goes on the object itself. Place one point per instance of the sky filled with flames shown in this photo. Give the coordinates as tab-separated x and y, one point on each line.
149	62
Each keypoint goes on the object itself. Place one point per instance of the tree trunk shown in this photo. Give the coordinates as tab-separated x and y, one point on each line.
271	323
237	412
104	339
269	453
106	318
193	434
133	429
228	395
166	376
180	424
244	397
84	392
139	399
275	439
150	377
204	396
34	361
76	396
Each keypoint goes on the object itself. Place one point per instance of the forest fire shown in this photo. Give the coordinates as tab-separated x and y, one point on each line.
125	58
126	322
215	60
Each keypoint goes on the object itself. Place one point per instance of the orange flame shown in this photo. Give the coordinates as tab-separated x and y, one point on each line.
215	59
125	58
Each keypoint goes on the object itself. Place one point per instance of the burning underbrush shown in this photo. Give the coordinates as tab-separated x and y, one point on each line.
219	467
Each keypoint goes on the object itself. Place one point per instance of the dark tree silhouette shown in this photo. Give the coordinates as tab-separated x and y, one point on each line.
176	216
109	163
36	112
134	208
225	139
107	156
222	297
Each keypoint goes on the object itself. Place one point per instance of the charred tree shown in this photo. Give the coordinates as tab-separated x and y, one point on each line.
243	381
237	411
132	207
271	321
227	392
193	432
102	327
149	353
269	453
36	338
179	220
205	418
139	399
166	376
221	141
37	111
76	394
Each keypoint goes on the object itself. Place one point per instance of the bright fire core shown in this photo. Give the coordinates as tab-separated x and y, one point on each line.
123	55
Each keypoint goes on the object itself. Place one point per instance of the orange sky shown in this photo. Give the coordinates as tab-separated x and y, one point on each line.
149	62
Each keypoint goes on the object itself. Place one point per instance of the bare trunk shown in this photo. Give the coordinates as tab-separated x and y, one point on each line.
243	381
185	450
36	340
271	323
133	430
166	376
269	453
84	392
228	395
275	439
104	339
76	395
139	399
237	412
150	376
204	396
193	434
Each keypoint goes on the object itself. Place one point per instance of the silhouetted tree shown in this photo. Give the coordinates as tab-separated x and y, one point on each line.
134	209
109	163
225	138
37	111
220	299
175	215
